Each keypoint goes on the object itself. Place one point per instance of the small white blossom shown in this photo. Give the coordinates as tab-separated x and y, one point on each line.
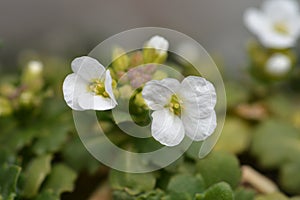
181	108
35	67
89	87
160	44
278	64
277	24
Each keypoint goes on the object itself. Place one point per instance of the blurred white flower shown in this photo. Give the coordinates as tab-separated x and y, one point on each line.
160	44
277	24
89	87
278	64
181	108
35	67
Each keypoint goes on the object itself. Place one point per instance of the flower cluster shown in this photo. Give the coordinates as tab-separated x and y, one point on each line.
179	109
277	28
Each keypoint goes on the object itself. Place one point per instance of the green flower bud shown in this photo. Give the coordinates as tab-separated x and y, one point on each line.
7	90
125	92
120	60
159	75
26	99
5	107
155	50
32	76
139	100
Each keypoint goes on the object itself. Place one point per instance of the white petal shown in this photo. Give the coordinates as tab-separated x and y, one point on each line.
255	21
108	86
280	9
278	64
157	94
198	96
88	68
294	25
199	129
277	41
89	101
73	87
167	128
159	43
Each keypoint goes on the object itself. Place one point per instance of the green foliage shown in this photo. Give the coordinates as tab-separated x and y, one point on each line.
277	196
9	175
41	155
186	184
35	174
60	180
235	94
235	137
244	194
282	151
282	148
132	183
218	167
219	191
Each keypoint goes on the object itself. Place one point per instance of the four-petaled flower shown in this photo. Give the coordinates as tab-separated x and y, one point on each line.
89	87
181	108
277	25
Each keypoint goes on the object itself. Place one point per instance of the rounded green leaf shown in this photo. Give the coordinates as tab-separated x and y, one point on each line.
220	166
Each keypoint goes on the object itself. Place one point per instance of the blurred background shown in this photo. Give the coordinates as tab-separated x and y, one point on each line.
72	28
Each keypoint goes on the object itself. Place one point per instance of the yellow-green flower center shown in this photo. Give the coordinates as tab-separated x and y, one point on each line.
281	28
175	105
97	87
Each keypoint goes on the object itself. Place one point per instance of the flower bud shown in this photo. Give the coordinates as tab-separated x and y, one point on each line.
125	91
32	76
278	65
120	60
5	107
26	99
155	50
139	100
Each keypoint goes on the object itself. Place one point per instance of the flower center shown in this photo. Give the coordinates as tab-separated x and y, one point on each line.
97	87
281	28
175	105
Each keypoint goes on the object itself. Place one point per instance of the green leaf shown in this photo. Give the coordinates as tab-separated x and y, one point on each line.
152	195
290	177
133	184
122	195
282	146
61	179
186	184
219	191
15	139
235	94
9	175
193	150
35	173
235	137
277	196
244	194
281	106
51	141
6	157
47	195
75	151
220	166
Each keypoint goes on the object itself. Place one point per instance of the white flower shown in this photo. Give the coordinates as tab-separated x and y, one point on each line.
181	108
277	24
278	64
160	44
35	67
89	87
